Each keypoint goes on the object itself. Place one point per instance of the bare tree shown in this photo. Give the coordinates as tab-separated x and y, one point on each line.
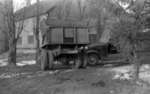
13	30
82	9
67	9
61	10
98	11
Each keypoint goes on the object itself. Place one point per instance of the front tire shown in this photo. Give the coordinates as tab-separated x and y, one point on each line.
93	59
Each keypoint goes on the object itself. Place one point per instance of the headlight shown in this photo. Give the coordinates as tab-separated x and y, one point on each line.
86	47
81	47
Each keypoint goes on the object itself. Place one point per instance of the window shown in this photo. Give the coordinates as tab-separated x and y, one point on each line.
69	35
30	39
19	41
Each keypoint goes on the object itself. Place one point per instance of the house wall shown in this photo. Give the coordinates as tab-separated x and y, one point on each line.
27	38
3	36
3	42
28	29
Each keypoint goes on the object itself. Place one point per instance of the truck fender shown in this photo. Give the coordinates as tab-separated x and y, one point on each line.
92	51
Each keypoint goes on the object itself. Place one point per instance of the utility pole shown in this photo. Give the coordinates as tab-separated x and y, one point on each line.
37	32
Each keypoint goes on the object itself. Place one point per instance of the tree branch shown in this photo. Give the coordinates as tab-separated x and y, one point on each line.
21	26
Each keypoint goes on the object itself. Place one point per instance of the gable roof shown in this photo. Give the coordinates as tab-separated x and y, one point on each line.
31	11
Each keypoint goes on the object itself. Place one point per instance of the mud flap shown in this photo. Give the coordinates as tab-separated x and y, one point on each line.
84	61
78	62
50	60
44	60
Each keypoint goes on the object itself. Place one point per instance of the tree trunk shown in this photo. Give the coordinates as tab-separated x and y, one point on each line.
37	34
12	52
136	65
136	68
100	27
12	33
37	48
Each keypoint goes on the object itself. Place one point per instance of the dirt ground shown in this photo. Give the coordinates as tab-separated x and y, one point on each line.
112	78
93	80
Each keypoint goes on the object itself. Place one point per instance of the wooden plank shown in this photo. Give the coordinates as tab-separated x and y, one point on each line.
57	36
69	32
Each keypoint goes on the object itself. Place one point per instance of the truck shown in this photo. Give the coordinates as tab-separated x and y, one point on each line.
64	41
68	41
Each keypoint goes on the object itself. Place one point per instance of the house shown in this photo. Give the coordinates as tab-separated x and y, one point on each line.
28	16
3	34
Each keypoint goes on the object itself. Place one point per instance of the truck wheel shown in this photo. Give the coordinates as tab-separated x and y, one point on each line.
44	60
50	60
93	59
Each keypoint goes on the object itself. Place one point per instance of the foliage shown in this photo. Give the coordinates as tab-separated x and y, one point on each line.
125	31
124	36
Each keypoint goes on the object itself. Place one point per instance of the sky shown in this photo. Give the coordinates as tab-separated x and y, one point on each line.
20	3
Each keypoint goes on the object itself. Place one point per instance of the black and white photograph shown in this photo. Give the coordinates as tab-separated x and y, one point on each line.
74	46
